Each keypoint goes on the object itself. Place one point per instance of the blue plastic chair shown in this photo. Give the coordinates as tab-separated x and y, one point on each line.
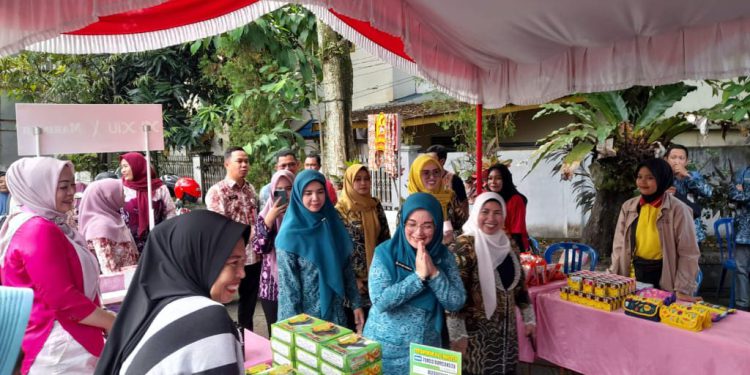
699	281
576	259
534	245
15	307
725	241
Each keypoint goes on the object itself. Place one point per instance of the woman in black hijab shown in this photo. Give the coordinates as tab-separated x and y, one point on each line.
172	319
500	180
655	236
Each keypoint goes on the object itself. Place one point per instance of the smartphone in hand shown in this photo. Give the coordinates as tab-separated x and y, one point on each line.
280	194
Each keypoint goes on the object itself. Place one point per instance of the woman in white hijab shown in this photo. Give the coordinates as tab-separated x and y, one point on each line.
485	329
38	250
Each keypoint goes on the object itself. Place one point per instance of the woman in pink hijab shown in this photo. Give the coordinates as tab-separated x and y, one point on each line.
102	226
133	167
266	228
38	250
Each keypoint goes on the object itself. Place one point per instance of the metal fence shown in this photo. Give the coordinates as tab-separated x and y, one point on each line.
385	188
180	165
212	169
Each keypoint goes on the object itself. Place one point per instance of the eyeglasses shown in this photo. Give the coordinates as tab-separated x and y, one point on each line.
431	172
426	228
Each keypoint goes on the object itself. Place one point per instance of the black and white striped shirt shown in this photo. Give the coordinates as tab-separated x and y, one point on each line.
192	335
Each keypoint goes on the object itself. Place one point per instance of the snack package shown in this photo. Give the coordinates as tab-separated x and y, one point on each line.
535	269
350	352
667	298
280	370
257	369
372	369
285	349
716	308
310	340
306	358
643	307
681	316
286	329
303	369
280	360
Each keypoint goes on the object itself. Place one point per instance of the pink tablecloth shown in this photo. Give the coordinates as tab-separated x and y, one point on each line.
598	342
525	349
257	350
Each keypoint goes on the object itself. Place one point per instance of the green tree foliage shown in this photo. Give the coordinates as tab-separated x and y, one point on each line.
270	68
462	123
171	77
734	108
618	128
48	78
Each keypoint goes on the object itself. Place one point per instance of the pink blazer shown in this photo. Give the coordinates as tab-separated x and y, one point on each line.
40	257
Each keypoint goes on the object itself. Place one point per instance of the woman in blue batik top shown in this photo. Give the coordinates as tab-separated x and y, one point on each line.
313	251
413	279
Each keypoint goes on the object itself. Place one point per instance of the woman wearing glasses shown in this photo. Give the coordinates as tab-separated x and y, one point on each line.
413	280
426	176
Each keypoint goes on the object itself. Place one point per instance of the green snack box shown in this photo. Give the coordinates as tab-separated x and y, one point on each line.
286	329
303	369
285	349
306	358
372	369
280	360
350	352
311	339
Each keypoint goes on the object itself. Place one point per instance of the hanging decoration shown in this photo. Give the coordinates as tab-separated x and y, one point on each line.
383	139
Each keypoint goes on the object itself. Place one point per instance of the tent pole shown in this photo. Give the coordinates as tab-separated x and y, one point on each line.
479	149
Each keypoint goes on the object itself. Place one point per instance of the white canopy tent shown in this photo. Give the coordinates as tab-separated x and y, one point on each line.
485	52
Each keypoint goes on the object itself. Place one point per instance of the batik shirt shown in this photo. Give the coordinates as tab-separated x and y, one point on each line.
237	203
697	186
743	205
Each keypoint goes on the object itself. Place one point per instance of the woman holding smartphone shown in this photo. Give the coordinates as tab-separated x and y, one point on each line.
266	228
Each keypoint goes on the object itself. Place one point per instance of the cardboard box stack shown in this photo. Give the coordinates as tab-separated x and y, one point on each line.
313	346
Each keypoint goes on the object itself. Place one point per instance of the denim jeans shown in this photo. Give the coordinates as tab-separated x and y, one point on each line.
742	257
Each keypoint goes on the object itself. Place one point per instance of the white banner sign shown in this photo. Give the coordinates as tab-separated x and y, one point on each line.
87	128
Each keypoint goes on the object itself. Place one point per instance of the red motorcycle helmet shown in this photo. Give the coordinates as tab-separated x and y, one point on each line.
187	189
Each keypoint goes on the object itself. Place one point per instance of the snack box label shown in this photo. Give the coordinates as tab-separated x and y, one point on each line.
286	329
306	358
279	359
285	349
306	370
350	352
372	369
319	334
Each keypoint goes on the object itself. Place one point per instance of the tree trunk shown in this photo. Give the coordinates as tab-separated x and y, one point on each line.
600	229
336	136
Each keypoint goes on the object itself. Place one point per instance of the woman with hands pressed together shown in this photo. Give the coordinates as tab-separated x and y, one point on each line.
266	228
413	280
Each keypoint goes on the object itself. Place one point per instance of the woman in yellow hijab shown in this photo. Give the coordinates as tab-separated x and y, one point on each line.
364	218
425	176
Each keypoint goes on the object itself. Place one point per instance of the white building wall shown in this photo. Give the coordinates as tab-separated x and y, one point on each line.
551	211
377	82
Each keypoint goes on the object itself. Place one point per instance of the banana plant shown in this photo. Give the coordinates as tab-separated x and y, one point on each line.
614	132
